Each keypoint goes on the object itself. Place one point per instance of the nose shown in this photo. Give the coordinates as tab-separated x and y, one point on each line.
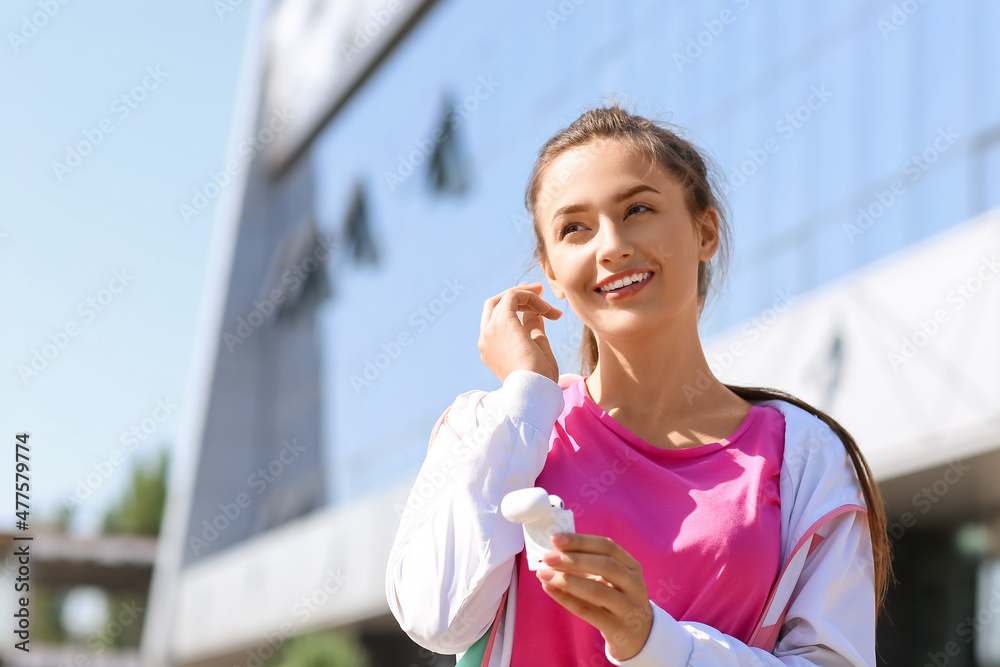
613	242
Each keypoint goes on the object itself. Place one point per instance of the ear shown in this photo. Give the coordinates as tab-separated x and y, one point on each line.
553	283
708	234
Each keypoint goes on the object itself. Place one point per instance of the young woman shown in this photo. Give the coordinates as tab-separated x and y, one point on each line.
715	524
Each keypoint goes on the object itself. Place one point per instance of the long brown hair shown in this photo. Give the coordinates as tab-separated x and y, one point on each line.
697	174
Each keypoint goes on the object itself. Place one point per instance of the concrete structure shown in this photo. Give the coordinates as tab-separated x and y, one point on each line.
115	563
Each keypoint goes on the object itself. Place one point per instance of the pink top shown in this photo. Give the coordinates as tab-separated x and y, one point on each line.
704	523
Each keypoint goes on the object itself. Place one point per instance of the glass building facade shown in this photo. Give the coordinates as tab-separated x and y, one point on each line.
846	132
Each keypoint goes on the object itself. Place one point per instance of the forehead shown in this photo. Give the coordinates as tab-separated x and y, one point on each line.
599	155
594	171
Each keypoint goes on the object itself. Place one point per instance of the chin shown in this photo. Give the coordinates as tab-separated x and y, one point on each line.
623	324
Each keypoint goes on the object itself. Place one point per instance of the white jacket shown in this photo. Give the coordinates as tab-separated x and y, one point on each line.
453	556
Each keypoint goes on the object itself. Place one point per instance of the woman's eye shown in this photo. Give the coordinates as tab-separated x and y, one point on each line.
566	228
635	206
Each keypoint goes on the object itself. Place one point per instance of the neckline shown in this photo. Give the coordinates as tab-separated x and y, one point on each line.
639	443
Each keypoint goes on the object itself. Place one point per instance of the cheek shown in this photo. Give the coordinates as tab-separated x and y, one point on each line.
666	255
675	252
571	270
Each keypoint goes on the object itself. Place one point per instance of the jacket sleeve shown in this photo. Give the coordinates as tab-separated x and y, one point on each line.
453	554
830	619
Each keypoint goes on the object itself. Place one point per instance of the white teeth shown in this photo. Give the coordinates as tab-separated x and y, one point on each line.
628	280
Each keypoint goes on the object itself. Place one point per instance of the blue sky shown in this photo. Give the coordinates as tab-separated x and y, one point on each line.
95	260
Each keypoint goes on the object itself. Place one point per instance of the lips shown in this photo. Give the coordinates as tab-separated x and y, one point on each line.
618	282
626	291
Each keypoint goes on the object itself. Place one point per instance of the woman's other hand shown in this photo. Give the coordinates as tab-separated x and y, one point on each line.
600	582
507	343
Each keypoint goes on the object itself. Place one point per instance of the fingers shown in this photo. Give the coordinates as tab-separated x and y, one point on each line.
599	570
625	622
600	582
519	299
594	601
492	302
597	544
525	301
535	325
512	332
611	570
585	606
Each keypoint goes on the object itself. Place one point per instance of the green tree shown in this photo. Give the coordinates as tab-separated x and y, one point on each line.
47	601
321	648
140	510
46	614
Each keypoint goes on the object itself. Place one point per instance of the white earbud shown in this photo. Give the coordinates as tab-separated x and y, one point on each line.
528	505
541	516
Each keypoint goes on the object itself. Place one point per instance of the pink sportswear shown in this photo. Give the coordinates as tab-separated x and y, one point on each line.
704	523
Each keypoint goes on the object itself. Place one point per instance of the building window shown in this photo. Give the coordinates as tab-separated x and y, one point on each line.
298	269
448	166
358	230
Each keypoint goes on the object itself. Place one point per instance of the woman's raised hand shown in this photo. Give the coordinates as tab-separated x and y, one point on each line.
507	343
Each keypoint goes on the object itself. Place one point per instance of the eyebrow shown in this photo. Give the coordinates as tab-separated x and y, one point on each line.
620	197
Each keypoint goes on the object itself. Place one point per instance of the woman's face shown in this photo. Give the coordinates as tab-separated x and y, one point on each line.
603	213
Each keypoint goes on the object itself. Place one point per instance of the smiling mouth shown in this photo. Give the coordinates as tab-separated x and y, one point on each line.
616	287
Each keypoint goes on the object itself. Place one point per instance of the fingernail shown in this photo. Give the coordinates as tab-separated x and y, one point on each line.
560	539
